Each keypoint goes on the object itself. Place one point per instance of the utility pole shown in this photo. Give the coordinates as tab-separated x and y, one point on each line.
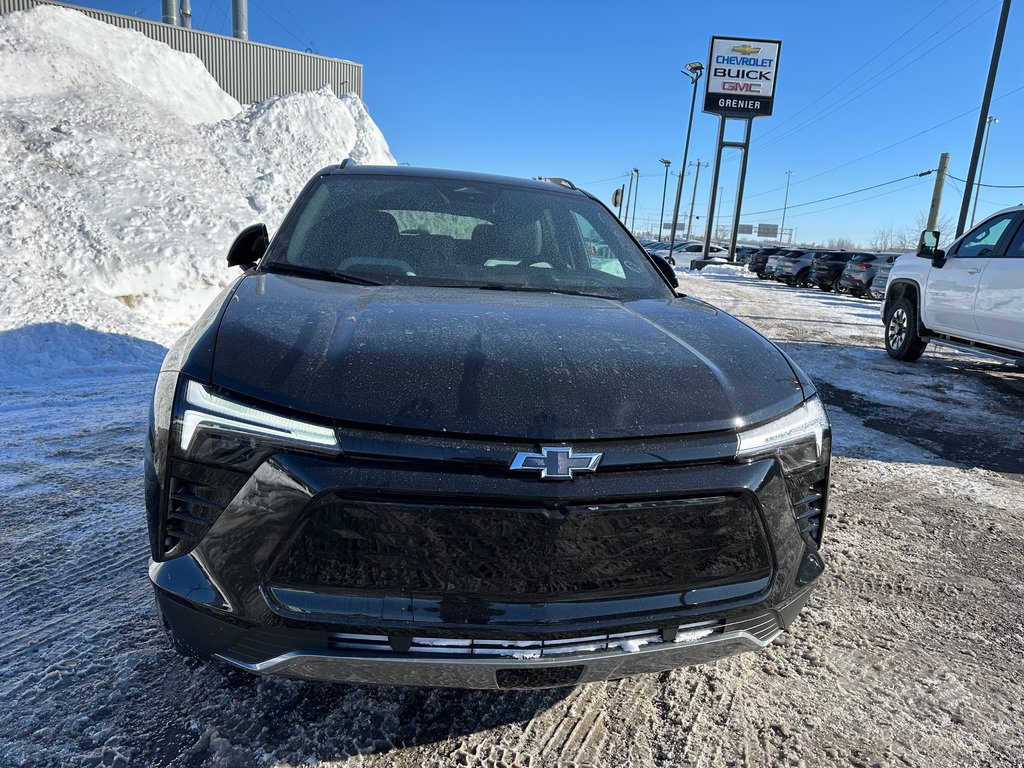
629	195
664	190
981	168
693	200
785	205
940	182
986	102
636	194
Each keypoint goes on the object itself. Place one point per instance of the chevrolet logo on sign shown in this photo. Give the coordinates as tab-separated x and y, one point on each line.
746	49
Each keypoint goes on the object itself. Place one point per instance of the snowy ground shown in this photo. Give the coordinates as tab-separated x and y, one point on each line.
910	653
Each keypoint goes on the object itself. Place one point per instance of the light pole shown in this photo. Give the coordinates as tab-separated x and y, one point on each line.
785	205
636	194
693	70
981	168
664	190
696	178
629	195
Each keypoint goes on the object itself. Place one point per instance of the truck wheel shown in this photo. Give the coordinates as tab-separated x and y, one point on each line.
902	340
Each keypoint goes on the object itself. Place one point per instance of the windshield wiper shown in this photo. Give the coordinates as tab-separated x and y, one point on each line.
542	289
320	274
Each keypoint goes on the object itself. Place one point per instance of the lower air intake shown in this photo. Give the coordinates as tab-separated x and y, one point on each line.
554	677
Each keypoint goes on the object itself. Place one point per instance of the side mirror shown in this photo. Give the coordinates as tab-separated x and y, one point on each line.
249	247
617	197
928	244
666	270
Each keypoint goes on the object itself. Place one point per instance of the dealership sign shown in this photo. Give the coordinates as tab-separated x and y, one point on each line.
741	77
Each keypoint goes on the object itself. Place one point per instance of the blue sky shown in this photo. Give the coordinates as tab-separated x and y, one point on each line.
868	92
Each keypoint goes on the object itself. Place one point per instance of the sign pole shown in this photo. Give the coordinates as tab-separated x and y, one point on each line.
745	149
740	84
714	181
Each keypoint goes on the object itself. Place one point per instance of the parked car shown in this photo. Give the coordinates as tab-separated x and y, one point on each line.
859	272
772	264
398	450
743	253
793	267
878	283
827	268
969	297
759	259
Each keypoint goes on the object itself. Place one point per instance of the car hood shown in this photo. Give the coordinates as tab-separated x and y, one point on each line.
497	363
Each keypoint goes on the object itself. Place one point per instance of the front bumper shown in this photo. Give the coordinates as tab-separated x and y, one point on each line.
453	667
242	596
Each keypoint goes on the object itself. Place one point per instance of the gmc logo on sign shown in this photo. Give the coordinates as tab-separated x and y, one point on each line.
728	85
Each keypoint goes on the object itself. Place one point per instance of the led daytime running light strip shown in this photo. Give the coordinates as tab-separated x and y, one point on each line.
803	422
222	415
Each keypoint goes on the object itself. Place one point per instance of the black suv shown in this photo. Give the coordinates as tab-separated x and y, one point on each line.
758	259
827	268
442	432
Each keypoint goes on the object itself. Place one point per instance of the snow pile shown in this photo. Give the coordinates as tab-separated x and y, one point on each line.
126	174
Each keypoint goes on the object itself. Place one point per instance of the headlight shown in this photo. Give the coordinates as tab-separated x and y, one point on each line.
797	439
205	411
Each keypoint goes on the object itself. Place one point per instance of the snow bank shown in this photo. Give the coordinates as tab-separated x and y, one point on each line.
52	51
126	173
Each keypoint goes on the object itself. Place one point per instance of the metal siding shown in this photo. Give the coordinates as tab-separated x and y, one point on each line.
248	71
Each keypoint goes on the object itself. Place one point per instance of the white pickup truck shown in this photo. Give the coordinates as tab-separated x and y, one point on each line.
970	297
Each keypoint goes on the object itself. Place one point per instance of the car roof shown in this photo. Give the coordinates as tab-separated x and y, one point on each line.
409	171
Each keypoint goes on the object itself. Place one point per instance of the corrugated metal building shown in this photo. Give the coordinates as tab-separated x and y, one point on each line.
248	71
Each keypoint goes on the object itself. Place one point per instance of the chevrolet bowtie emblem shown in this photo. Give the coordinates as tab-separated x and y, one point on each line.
746	49
556	463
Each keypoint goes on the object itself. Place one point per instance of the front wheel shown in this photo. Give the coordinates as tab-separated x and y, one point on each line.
902	340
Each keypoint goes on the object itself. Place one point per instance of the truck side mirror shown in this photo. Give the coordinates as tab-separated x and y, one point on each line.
928	248
928	244
249	247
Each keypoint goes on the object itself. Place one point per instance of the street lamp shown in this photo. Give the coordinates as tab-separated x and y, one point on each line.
981	169
636	195
693	70
664	190
784	206
629	196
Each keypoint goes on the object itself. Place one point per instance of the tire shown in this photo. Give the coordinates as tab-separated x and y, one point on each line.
803	278
838	287
825	287
902	339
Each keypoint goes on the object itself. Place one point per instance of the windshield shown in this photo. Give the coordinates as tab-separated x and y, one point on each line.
451	232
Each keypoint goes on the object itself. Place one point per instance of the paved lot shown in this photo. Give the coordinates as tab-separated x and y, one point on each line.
910	653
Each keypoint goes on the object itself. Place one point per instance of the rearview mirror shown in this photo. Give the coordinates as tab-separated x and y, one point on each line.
666	269
249	247
928	245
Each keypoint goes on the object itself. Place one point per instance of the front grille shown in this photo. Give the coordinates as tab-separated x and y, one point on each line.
523	649
197	496
491	552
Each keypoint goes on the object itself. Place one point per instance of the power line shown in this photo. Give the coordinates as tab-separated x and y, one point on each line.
971	111
993	186
273	18
867	86
844	194
856	71
862	200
